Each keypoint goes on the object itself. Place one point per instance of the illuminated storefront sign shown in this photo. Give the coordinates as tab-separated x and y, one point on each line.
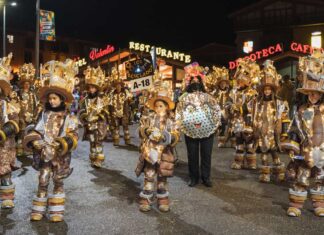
95	54
302	48
278	48
271	50
160	52
138	68
80	61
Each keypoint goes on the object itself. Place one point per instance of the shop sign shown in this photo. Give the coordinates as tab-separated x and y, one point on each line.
95	54
140	84
264	53
80	61
138	68
302	48
160	52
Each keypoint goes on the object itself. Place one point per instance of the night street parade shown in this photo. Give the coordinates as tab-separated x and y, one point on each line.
173	117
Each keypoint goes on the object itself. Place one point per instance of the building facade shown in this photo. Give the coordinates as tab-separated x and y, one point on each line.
280	30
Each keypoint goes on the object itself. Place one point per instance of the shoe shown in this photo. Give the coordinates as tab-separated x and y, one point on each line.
192	183
207	183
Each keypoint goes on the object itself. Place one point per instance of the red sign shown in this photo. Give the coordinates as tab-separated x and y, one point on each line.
259	54
294	46
302	48
94	54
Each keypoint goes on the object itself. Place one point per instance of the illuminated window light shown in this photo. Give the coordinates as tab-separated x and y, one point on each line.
316	39
248	47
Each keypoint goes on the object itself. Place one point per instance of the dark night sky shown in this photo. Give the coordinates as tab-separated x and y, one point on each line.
172	24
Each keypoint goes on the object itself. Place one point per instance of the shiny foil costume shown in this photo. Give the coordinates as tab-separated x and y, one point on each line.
52	140
59	131
119	111
241	112
9	128
94	117
269	115
306	142
28	111
270	122
199	114
28	103
156	158
223	99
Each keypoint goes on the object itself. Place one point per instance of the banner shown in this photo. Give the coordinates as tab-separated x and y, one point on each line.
140	84
139	68
46	25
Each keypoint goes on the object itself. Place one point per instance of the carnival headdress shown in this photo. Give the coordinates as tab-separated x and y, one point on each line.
269	76
161	90
94	76
193	70
312	70
5	74
58	77
247	71
26	73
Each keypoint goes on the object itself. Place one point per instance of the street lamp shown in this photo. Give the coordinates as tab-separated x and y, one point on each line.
13	4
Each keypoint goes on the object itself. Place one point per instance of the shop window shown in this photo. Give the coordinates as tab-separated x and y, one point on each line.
180	74
166	71
28	57
316	39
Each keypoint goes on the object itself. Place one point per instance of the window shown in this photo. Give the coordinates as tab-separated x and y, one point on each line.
64	47
28	57
316	39
166	71
30	43
180	74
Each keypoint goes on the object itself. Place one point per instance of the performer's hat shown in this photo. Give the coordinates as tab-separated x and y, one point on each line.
26	73
58	77
5	74
312	71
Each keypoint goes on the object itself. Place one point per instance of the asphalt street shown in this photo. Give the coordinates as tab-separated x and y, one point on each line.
104	201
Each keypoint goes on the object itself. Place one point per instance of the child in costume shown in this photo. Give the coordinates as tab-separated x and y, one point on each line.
270	121
53	138
119	105
306	140
9	128
28	103
159	134
219	80
241	95
94	115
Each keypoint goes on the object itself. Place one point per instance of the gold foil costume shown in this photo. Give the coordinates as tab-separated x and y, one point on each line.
241	95
159	134
306	141
119	108
9	128
52	140
28	103
270	119
219	85
94	116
